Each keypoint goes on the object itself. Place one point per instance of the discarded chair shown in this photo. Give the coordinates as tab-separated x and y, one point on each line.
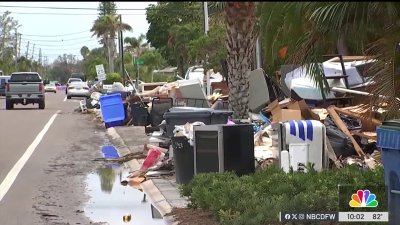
158	107
82	105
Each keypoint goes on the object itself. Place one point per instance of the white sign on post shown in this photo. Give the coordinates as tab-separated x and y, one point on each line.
101	74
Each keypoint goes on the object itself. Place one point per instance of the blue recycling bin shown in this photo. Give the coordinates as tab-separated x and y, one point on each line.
388	139
112	110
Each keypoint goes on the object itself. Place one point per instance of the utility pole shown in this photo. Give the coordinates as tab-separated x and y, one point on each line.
119	48
19	45
121	44
16	50
33	51
40	61
27	51
45	66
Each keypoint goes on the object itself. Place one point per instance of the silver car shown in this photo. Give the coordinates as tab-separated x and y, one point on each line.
50	88
78	89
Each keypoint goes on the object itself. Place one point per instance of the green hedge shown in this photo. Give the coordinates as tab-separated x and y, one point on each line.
112	77
258	198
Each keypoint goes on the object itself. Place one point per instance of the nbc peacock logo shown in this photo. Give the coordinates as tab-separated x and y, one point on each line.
363	198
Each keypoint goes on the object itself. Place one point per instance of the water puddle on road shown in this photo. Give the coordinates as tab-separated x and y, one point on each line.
113	203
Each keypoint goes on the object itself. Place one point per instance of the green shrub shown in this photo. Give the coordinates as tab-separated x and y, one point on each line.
258	198
113	77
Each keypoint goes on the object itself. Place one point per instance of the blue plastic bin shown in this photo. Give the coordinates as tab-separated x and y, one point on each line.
112	110
388	138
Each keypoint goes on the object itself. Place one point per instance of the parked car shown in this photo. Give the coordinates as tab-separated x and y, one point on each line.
78	89
71	80
50	88
3	82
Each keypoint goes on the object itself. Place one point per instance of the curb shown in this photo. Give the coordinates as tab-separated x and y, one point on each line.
117	140
122	148
156	197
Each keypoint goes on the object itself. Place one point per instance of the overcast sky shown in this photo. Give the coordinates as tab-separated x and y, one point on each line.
55	32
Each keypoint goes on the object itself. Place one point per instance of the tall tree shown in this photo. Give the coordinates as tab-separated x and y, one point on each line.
95	57
180	37
137	45
8	40
85	52
241	34
106	27
63	66
210	48
163	16
107	8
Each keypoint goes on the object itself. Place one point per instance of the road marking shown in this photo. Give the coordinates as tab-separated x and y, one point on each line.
12	175
65	99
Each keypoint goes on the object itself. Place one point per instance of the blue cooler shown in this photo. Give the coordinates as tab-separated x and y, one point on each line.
388	138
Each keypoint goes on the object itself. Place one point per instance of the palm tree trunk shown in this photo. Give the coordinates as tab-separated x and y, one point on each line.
241	40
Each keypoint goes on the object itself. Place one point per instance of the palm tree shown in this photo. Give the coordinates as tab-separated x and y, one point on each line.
241	34
377	33
85	52
179	38
137	45
106	28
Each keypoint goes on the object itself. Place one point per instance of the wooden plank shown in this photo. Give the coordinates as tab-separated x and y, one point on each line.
329	150
376	122
365	135
342	126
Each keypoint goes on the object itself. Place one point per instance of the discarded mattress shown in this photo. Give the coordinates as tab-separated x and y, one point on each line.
299	80
258	90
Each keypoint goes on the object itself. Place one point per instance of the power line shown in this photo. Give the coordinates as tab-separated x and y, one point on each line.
96	9
61	40
55	45
69	48
57	35
72	14
73	8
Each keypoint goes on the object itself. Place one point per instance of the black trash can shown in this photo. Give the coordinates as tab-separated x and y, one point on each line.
183	160
388	138
183	115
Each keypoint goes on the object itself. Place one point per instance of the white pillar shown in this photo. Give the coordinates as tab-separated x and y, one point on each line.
258	54
205	18
208	85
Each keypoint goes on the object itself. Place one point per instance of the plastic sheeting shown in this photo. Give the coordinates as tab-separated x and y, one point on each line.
187	131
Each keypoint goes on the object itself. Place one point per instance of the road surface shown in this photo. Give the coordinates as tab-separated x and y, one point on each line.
44	158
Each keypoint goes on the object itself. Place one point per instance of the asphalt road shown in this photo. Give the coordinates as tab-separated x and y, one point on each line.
38	178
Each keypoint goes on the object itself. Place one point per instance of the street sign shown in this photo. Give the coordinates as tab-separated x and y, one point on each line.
101	74
139	62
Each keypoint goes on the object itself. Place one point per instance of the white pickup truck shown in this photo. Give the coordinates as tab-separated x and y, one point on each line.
25	88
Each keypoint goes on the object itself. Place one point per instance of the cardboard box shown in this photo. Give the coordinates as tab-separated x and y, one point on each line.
306	112
282	115
296	110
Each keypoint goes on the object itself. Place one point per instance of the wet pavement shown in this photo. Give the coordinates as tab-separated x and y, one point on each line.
110	201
